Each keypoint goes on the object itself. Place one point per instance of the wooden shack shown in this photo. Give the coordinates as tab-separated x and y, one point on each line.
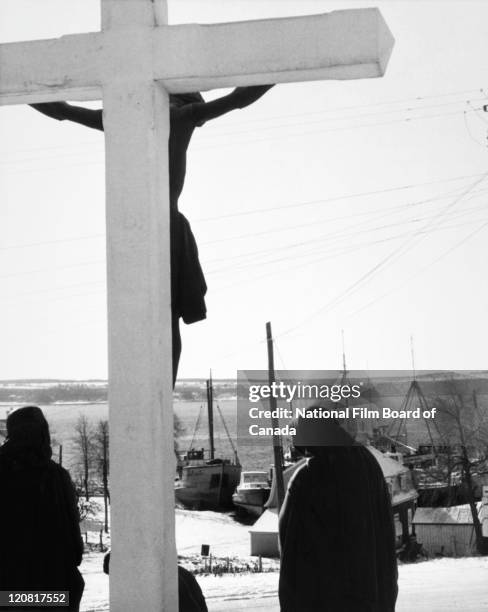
449	532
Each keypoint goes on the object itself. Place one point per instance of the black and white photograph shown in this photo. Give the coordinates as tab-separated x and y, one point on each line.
243	310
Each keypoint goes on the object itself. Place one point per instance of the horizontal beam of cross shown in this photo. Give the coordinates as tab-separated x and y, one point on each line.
348	44
47	70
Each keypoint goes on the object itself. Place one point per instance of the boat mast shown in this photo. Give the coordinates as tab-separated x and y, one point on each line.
277	447
210	416
344	368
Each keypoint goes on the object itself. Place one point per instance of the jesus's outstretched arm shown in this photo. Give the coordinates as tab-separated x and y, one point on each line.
62	110
239	98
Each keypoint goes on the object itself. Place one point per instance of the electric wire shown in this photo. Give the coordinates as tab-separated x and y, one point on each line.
350	196
373	270
422	270
390	209
330	237
408	110
319	132
335	254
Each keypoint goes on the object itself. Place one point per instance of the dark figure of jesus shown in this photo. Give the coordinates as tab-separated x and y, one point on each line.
187	111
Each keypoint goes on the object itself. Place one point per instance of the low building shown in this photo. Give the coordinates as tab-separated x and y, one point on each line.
449	532
264	533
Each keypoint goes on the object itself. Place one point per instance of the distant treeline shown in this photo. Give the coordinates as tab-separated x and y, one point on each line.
57	393
33	392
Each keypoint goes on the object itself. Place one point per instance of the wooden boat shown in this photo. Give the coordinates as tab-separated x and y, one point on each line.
206	482
252	492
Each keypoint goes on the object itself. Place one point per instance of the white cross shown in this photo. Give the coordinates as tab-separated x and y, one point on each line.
132	64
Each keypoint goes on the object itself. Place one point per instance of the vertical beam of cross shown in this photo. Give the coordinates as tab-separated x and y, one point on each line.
140	388
133	13
136	122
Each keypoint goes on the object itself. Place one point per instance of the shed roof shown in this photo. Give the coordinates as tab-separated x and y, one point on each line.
267	522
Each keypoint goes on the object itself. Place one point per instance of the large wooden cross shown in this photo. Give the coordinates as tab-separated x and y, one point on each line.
132	64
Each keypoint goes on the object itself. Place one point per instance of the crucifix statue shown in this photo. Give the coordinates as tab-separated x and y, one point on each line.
187	111
133	65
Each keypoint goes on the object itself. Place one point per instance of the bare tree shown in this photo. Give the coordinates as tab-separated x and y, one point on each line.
84	443
178	430
463	427
102	442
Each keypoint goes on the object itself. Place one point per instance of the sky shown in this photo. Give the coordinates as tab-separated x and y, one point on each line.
327	206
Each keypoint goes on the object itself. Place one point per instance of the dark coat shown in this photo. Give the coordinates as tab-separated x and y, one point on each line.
41	545
337	536
190	594
188	286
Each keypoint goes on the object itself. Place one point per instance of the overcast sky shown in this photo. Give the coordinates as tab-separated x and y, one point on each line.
326	206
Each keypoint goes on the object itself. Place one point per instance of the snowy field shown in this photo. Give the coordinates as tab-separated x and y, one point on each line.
443	585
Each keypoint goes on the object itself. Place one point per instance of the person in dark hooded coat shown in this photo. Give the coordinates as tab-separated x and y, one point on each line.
336	527
41	545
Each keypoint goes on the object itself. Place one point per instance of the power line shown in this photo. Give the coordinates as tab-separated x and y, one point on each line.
390	209
410	204
87	143
339	250
470	134
278	136
214	134
351	196
422	270
334	253
367	275
333	237
54	168
415	99
47	242
344	233
336	129
50	269
370	105
408	110
16	296
478	114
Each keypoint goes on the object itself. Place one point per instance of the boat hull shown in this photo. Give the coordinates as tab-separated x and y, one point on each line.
251	500
208	486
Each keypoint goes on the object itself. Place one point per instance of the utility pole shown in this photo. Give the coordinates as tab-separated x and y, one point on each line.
210	417
277	448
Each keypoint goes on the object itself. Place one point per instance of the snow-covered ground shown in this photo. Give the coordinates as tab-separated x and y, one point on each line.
225	536
443	585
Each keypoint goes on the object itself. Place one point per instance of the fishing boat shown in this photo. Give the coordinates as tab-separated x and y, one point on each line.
204	481
252	492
